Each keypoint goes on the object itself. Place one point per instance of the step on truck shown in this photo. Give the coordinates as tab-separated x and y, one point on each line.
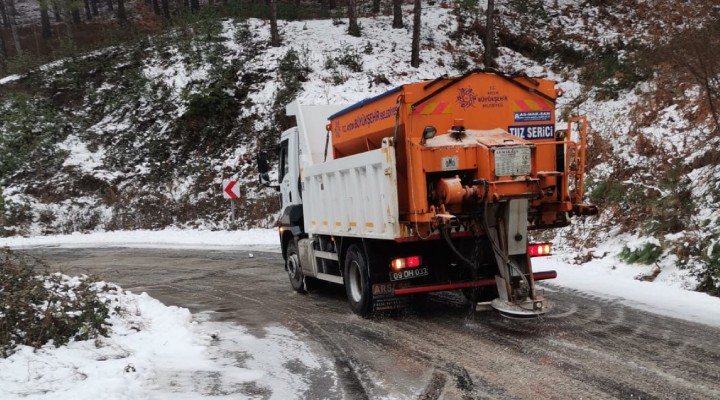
431	186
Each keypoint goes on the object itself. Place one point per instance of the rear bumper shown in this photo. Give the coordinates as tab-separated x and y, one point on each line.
537	276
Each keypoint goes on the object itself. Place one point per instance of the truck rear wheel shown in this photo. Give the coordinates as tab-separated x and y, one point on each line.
293	268
357	281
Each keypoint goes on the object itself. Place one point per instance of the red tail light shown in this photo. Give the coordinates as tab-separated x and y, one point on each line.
412	262
539	249
407	262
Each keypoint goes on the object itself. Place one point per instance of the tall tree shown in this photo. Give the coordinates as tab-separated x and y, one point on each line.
13	25
110	5
44	18
194	5
274	33
415	53
121	14
166	8
490	36
57	7
397	14
3	14
375	6
74	7
353	27
88	13
156	7
3	53
94	4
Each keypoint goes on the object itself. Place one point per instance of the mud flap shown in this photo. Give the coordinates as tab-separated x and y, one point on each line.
384	297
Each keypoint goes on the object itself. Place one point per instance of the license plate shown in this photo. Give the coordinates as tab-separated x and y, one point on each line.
408	273
512	161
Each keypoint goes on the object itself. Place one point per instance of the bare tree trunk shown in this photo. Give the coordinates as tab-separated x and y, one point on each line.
397	15
110	5
415	53
88	13
332	4
13	25
3	14
45	19
121	14
194	5
166	9
74	9
490	36
3	53
156	7
94	4
76	16
376	6
56	10
353	27
274	34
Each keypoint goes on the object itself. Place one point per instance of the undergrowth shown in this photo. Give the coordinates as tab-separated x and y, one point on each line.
37	308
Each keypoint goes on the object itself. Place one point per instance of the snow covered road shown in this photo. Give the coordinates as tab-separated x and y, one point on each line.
589	347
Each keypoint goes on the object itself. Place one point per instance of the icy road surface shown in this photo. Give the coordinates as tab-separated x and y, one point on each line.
587	347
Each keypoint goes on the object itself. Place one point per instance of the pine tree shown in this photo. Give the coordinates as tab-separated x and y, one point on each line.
274	33
121	14
353	27
3	14
490	36
397	14
415	53
44	18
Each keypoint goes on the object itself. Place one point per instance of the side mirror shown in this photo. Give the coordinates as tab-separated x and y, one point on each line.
262	163
263	169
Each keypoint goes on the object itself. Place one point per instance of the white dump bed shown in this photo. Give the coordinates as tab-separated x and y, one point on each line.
353	196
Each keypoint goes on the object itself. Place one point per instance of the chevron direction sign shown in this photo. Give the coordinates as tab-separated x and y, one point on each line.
231	189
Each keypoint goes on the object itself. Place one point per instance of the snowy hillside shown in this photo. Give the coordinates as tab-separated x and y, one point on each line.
140	136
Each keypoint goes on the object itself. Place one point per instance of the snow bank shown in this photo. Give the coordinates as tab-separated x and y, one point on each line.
163	352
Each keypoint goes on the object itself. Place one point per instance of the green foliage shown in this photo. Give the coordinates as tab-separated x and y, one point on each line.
29	125
467	15
658	210
37	308
608	192
709	277
615	68
529	9
21	63
293	70
461	62
350	58
647	254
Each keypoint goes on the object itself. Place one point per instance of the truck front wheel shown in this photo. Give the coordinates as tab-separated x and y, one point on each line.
357	281
293	268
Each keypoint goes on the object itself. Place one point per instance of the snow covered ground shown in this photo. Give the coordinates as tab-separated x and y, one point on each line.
156	351
161	352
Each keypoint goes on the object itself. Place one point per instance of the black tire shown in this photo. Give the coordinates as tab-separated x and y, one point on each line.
293	268
357	281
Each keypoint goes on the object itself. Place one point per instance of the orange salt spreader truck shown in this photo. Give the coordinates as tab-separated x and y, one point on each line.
431	186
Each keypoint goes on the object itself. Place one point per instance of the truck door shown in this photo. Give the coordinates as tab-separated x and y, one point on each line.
289	174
